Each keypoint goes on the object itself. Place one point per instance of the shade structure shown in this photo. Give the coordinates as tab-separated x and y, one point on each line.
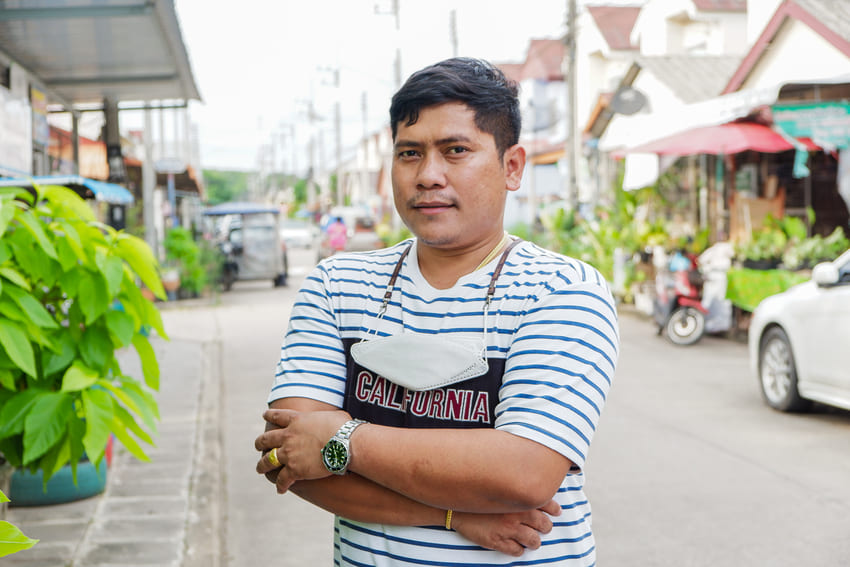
87	188
730	138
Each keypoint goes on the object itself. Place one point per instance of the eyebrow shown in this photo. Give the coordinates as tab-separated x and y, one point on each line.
440	142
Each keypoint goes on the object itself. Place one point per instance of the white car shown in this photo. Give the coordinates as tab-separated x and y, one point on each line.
799	341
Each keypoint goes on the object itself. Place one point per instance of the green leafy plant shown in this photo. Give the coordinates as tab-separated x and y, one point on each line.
69	299
12	539
183	252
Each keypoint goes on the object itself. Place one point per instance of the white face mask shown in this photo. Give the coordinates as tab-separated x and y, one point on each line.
424	362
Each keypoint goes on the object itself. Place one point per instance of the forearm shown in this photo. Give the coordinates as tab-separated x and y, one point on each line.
356	498
462	469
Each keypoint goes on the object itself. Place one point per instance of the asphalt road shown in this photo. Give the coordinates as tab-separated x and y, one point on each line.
688	467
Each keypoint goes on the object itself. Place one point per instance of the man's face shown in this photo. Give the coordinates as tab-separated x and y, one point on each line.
448	181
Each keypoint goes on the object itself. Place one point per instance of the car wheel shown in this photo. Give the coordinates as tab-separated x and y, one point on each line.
685	326
778	372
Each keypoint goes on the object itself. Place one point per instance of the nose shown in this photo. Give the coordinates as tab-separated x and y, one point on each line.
432	171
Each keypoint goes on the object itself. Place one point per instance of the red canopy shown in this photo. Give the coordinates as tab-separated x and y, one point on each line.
730	138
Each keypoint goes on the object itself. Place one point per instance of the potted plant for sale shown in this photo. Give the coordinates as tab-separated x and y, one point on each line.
70	298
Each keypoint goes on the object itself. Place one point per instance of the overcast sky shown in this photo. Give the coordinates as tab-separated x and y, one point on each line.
258	63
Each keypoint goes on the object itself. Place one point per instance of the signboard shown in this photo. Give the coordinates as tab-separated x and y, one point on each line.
826	123
16	138
40	128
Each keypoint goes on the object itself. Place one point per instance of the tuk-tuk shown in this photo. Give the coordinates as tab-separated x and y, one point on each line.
248	236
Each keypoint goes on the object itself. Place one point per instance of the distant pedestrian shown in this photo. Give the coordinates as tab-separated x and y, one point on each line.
337	235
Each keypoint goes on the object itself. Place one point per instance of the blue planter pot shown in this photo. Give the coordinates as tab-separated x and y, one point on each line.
27	489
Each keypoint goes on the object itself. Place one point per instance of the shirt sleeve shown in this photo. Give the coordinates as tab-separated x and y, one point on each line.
560	364
312	357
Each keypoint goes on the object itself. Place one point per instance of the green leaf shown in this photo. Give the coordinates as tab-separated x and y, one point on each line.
99	409
93	296
148	409
15	342
3	497
96	347
112	268
120	432
33	310
13	540
63	353
46	423
7	212
7	379
70	281
121	325
15	277
129	421
147	356
54	460
14	412
37	230
68	257
121	395
78	377
139	256
68	203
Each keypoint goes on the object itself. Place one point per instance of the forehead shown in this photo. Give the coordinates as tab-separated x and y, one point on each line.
441	121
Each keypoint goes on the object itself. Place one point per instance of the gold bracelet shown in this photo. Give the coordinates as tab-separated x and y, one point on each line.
448	519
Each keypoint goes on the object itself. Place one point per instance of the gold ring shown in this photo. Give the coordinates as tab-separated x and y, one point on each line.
273	458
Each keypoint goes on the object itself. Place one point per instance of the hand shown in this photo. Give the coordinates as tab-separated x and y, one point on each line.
510	533
299	438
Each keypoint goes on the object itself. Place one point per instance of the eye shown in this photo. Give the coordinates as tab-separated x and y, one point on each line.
457	150
407	154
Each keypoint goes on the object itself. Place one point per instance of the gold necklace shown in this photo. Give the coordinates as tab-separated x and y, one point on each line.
494	251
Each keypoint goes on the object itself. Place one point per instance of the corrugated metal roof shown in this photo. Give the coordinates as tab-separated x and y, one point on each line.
692	77
721	5
88	50
834	14
615	23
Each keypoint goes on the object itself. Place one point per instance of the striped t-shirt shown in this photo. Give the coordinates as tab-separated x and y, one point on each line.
553	325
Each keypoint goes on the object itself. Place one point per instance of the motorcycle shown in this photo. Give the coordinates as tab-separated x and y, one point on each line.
678	310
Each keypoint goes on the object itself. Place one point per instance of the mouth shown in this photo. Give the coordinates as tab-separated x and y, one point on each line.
432	207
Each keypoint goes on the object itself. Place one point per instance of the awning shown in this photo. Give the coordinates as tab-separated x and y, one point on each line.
730	138
86	50
87	188
240	208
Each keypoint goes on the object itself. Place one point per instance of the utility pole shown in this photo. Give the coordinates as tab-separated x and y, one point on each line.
453	31
571	146
397	63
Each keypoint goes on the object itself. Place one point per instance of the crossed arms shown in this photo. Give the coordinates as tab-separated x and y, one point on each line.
499	485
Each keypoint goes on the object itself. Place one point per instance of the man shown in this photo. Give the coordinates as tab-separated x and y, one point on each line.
479	363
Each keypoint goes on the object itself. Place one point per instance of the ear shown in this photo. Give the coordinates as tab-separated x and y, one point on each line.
514	164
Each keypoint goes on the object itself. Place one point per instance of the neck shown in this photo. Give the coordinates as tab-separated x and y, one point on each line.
442	268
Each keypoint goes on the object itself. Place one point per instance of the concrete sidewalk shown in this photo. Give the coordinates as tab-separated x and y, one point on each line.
167	512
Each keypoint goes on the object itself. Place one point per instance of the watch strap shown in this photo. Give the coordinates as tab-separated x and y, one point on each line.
348	428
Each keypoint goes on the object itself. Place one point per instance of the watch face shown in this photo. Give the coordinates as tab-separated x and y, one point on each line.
335	455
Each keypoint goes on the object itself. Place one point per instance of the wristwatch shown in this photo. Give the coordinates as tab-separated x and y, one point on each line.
336	454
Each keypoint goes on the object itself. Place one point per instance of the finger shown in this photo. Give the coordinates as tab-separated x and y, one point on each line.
552	508
527	538
265	441
268	462
272	476
279	417
539	521
509	547
284	480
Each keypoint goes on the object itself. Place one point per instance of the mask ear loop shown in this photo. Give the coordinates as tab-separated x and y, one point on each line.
491	290
388	293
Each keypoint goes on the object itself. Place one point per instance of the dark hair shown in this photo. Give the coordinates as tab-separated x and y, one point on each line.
474	82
